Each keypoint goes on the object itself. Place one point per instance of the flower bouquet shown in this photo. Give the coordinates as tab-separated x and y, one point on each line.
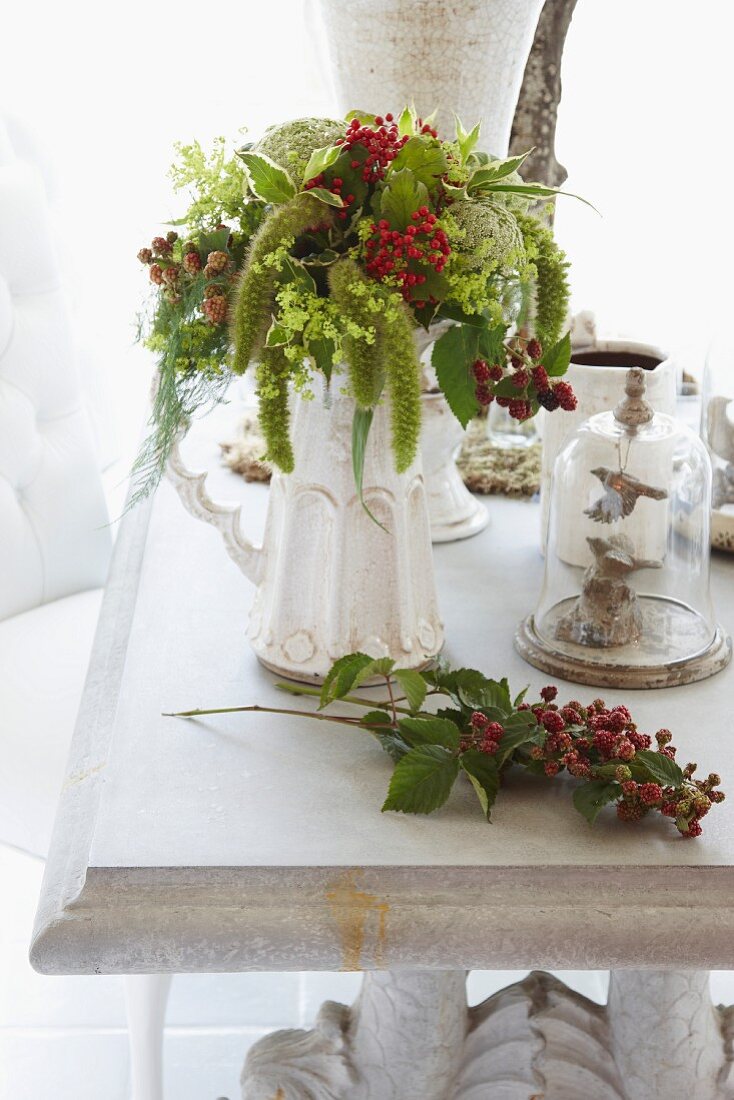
325	247
329	254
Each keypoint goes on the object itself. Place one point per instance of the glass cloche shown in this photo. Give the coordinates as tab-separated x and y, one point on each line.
625	599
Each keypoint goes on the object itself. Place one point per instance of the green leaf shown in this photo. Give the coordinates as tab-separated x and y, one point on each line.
216	241
361	424
294	272
518	731
430	731
496	170
424	157
277	336
521	697
591	798
452	715
422	780
535	191
362	116
476	690
406	121
452	312
379	724
491	343
412	685
378	666
340	678
556	360
466	141
320	160
482	770
267	180
322	351
392	743
660	769
321	259
323	195
452	357
402	195
457	193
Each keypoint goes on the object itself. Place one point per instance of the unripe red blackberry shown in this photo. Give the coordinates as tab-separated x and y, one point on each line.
519	409
145	255
215	309
480	370
160	246
170	275
534	349
629	811
191	262
566	396
216	263
483	395
496	372
156	274
520	379
540	378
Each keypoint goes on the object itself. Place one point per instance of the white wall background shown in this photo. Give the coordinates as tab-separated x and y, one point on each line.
644	131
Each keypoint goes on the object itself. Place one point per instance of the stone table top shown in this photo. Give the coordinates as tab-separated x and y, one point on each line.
256	841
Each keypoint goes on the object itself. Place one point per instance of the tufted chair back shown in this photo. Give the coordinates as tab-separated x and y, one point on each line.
53	535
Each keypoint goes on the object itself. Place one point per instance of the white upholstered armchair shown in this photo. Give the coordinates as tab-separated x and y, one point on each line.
55	547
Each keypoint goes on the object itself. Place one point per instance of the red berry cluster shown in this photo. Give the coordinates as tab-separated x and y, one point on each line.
482	735
381	141
582	739
335	187
401	255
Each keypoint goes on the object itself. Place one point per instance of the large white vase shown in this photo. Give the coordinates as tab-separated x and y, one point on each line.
329	580
466	57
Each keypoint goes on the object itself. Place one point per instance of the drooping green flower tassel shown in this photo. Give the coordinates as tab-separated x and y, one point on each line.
551	289
355	295
256	291
273	375
403	370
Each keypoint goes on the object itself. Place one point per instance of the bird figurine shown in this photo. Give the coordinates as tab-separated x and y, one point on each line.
615	557
607	613
621	493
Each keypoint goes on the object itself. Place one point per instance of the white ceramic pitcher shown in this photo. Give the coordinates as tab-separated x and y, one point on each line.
329	580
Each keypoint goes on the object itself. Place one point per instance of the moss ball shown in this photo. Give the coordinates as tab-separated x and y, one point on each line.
290	145
491	234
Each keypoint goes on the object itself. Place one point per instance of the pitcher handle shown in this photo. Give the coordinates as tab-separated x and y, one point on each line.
191	488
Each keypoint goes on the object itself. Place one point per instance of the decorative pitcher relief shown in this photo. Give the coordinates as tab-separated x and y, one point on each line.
330	579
